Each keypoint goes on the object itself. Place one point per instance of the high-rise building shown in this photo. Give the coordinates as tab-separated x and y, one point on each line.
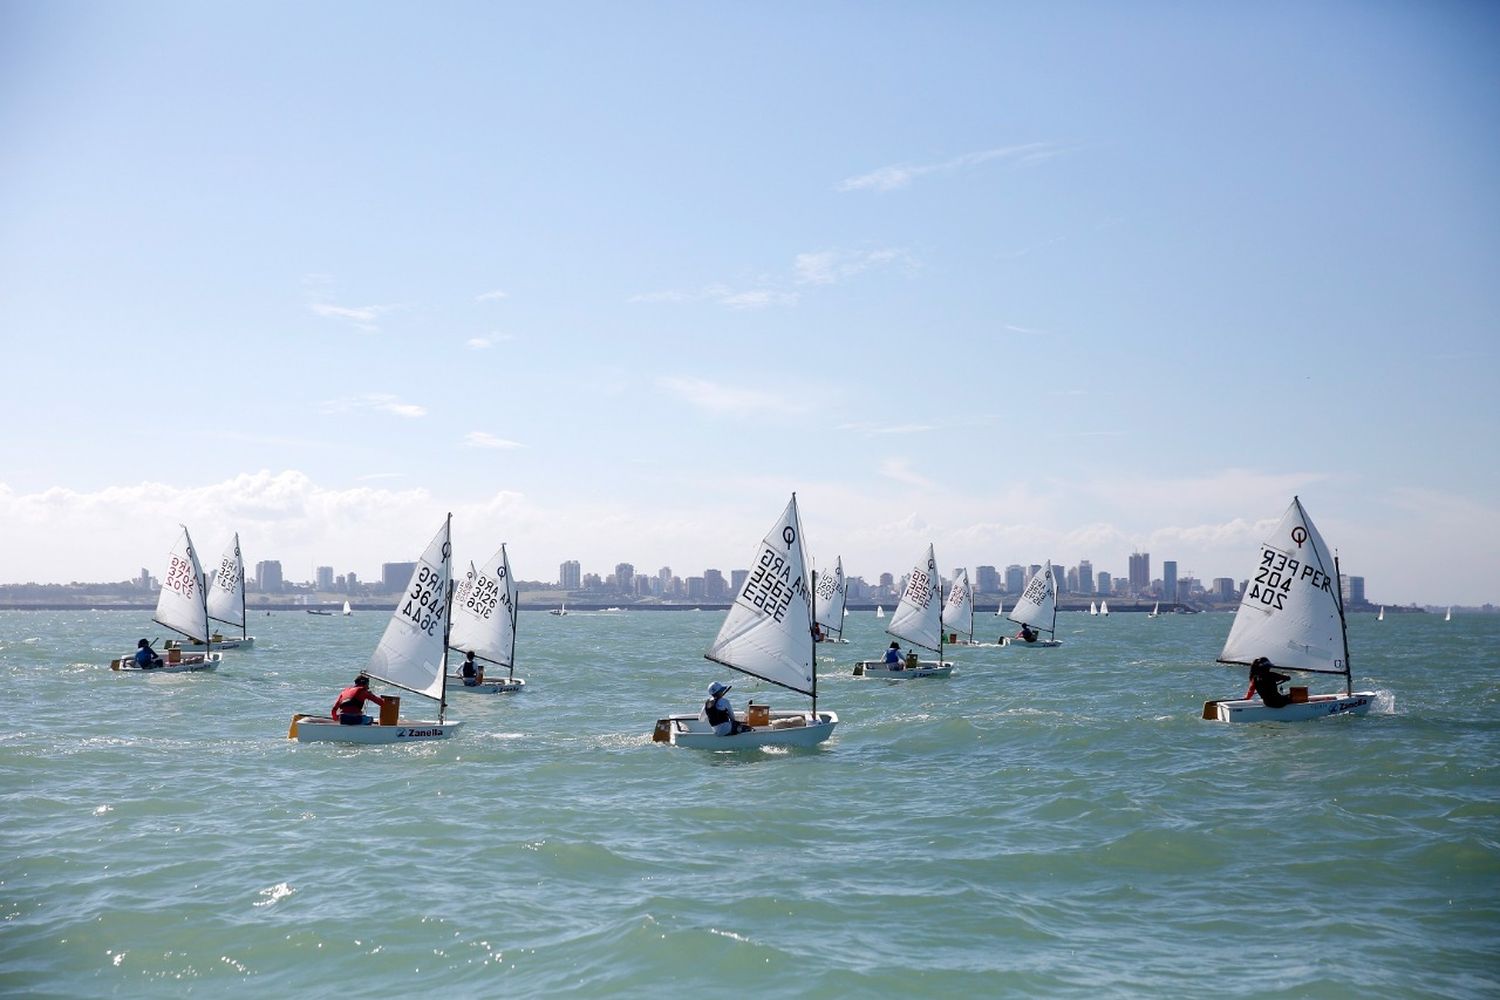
1015	579
268	576
1140	572
1223	591
713	585
986	580
1085	577
395	576
1356	590
1169	579
737	578
887	582
695	588
325	579
570	575
1072	576
625	578
1103	583
351	583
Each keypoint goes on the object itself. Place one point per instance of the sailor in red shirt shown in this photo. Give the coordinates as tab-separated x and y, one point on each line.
349	709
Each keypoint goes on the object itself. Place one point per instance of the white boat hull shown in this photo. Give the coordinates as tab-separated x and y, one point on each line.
979	645
189	663
491	685
1317	706
1039	644
787	729
902	672
321	729
840	642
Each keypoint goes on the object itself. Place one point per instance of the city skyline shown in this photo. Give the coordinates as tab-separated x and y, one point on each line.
601	283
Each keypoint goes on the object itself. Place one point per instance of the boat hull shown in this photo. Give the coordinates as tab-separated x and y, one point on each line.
225	642
1317	706
1012	641
190	663
321	729
495	685
787	729
901	672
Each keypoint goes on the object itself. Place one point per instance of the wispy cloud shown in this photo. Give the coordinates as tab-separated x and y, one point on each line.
716	397
865	427
1025	331
374	401
760	298
827	267
901	471
363	317
479	343
494	296
902	175
483	439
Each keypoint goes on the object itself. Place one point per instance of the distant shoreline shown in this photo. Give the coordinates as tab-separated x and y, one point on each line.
371	607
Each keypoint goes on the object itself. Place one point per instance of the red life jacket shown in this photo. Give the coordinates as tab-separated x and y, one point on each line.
351	701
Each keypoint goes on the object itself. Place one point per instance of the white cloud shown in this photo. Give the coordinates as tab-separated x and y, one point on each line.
363	317
478	343
902	175
483	439
722	295
374	401
716	397
494	296
829	266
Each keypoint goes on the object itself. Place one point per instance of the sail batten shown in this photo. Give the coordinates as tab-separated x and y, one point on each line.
412	653
1291	611
918	615
767	632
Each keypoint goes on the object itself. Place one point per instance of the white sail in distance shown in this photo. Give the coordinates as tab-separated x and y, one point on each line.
182	605
484	612
226	597
918	615
411	653
1037	605
1291	612
829	597
768	630
958	609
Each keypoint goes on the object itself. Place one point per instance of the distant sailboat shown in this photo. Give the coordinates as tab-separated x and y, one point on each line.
829	595
879	611
1449	616
562	609
1037	609
1104	609
1000	608
182	607
1381	617
1093	609
918	620
484	623
958	613
226	599
1155	610
347	609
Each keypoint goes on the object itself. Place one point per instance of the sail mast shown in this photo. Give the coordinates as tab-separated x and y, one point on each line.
514	611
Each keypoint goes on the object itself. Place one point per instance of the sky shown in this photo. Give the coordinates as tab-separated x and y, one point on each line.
610	281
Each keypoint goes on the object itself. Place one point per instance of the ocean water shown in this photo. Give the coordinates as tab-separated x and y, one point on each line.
1043	824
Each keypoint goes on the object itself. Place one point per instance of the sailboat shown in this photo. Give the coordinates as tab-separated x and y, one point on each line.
918	620
766	634
1449	616
1155	610
484	621
226	602
561	609
1038	609
412	655
879	611
1293	615
1000	608
1093	609
1104	609
347	610
958	613
183	608
829	594
1381	617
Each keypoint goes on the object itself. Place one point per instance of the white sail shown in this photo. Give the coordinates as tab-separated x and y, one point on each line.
958	609
484	612
1093	608
1104	608
879	611
918	615
347	609
829	597
1381	617
1038	604
1155	610
411	653
1000	608
226	597
1448	617
183	606
768	631
1290	612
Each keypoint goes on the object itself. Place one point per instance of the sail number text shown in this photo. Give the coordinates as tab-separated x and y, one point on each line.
1275	575
918	589
424	602
770	588
181	578
485	596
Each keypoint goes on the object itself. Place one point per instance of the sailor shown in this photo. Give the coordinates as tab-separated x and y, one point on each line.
145	657
893	656
1266	682
719	713
472	673
349	709
1027	633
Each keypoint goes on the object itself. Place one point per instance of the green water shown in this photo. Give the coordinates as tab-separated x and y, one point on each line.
1045	823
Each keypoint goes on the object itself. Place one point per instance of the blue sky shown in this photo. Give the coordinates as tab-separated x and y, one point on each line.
608	281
